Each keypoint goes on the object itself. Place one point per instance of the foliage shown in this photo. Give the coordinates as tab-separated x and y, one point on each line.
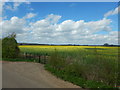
76	79
106	44
10	47
0	49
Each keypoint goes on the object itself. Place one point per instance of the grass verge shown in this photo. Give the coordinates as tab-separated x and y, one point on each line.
18	60
75	79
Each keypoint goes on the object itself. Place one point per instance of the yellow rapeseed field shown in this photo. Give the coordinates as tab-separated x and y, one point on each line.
48	49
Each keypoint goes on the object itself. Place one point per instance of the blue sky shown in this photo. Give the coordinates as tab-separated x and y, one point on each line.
63	22
68	10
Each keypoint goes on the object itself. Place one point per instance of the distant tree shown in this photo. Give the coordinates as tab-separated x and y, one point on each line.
106	44
10	47
112	45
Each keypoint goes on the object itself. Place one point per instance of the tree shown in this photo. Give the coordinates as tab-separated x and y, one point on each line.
106	44
10	47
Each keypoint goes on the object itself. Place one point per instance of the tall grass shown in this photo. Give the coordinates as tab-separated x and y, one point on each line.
87	64
98	64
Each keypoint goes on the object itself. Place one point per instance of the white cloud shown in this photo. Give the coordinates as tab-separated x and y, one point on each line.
15	24
84	28
27	2
31	9
15	1
49	31
72	4
1	7
112	12
15	5
29	15
53	18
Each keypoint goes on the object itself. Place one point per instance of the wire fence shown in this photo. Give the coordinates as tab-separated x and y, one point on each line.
35	57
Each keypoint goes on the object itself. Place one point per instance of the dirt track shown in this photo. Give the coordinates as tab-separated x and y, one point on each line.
30	75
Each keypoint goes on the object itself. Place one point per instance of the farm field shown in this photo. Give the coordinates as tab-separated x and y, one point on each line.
91	66
77	42
110	51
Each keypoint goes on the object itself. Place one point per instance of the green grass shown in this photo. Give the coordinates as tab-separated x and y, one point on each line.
76	79
89	67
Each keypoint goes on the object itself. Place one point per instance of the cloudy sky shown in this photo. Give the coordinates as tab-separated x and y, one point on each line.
61	23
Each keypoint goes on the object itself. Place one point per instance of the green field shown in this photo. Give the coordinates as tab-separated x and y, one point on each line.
86	66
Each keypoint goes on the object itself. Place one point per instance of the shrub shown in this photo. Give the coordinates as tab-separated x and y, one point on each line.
10	47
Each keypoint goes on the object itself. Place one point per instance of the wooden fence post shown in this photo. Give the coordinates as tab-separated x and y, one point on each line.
36	57
44	59
26	55
29	55
39	58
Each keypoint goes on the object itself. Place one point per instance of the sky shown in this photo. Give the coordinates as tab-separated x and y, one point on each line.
84	23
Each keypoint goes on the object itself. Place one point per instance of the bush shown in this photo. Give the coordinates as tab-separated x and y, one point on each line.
10	47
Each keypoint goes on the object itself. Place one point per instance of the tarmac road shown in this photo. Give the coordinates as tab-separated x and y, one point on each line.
30	75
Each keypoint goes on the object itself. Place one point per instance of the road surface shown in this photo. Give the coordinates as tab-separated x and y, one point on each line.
30	75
